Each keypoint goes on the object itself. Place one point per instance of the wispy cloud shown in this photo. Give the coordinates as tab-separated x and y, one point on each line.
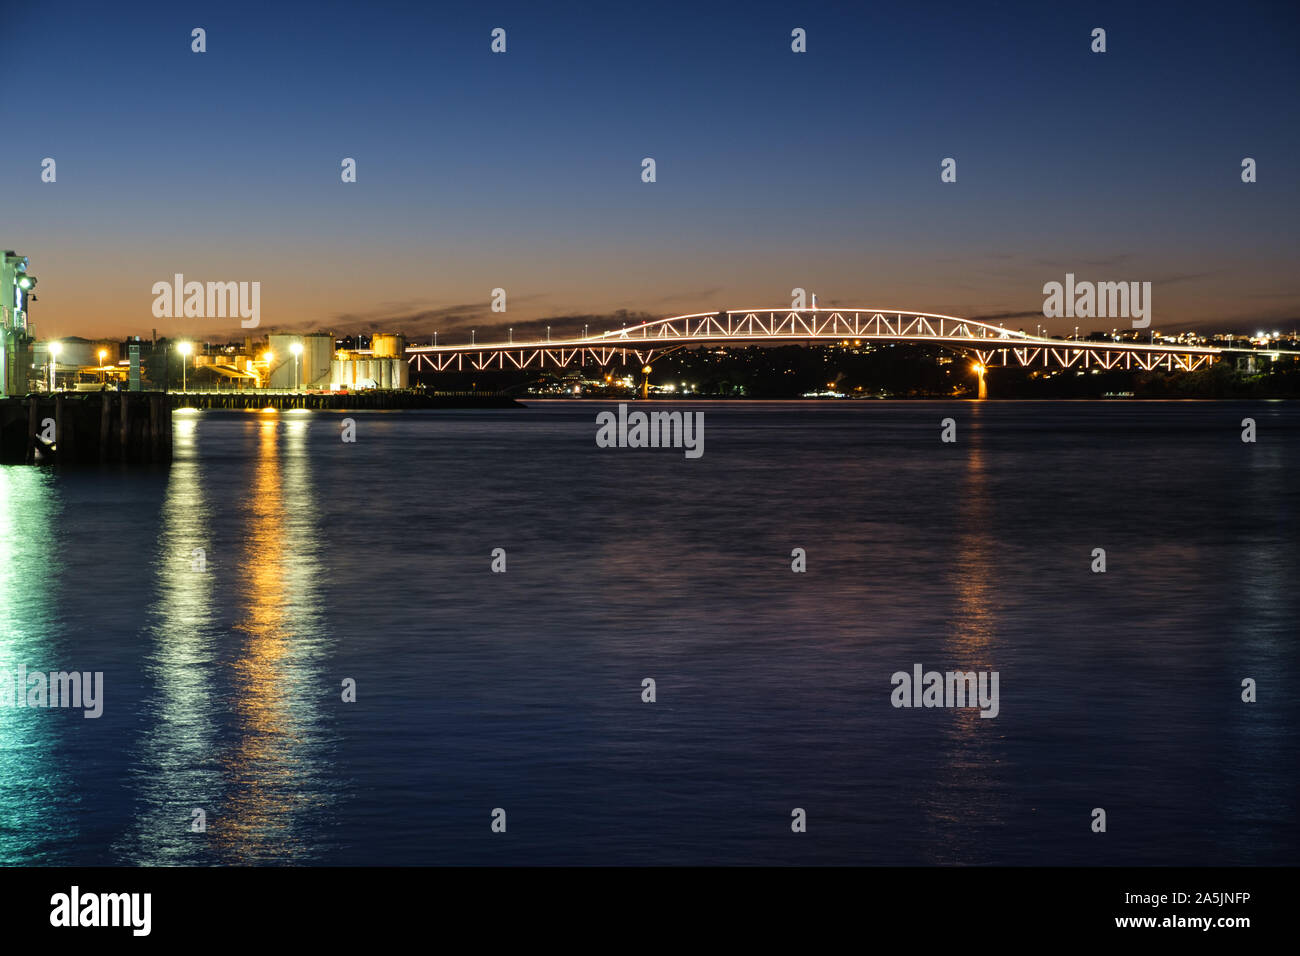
1001	316
687	297
459	320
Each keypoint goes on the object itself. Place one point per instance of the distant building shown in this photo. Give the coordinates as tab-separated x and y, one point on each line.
384	367
309	369
76	352
352	372
211	375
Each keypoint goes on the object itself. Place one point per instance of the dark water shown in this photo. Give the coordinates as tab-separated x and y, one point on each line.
371	561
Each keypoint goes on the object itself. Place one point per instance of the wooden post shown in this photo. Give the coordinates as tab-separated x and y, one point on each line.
105	422
33	426
124	446
155	428
62	430
167	428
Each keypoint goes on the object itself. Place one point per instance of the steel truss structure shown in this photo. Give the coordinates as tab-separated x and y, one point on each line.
991	345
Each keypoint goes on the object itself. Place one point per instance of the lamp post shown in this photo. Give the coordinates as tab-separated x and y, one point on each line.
103	369
184	348
55	349
296	349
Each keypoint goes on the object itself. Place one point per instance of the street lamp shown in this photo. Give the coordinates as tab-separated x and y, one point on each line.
185	349
55	349
296	349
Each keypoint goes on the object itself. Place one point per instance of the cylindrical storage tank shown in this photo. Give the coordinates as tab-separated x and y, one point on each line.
387	344
317	356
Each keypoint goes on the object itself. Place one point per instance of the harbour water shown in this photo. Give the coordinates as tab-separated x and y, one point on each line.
227	599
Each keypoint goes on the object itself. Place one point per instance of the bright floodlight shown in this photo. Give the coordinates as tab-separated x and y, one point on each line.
267	358
296	348
185	348
56	348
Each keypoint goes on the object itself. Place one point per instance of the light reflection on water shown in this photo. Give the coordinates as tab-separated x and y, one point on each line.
272	770
174	771
966	780
327	560
37	805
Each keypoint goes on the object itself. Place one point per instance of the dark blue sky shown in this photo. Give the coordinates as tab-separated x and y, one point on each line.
775	170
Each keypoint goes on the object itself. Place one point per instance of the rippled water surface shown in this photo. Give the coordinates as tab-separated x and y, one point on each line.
326	561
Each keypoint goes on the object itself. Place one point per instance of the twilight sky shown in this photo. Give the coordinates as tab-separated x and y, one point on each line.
523	170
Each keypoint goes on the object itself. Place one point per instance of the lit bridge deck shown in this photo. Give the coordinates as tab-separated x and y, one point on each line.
991	345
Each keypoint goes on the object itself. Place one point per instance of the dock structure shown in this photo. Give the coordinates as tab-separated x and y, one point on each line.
84	428
362	400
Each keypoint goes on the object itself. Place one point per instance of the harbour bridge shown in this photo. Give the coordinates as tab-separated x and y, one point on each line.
989	345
